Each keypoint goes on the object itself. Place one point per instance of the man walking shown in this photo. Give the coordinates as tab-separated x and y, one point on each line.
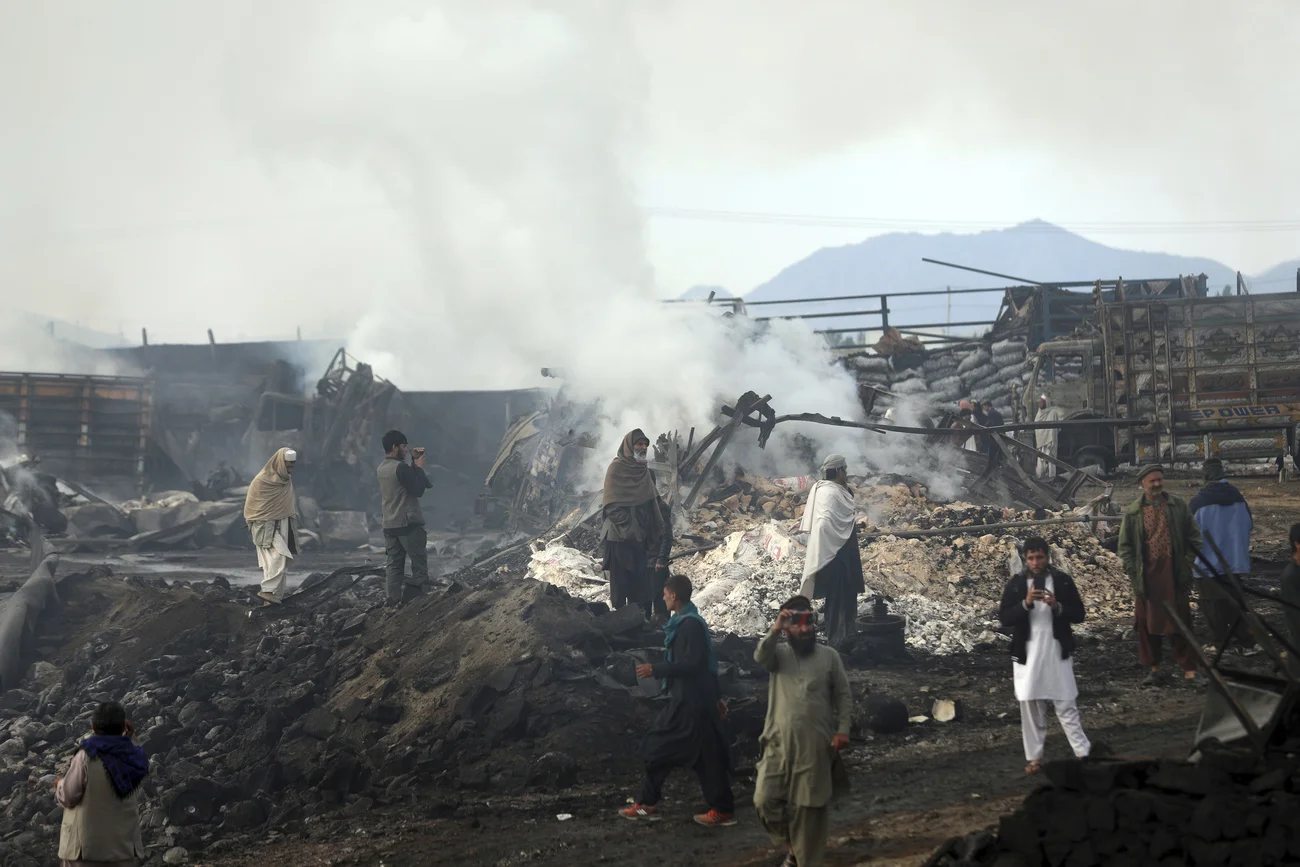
992	418
1224	518
808	711
832	567
269	510
400	487
1038	606
1157	542
689	732
100	793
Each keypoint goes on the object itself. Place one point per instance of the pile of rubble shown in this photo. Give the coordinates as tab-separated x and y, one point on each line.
329	702
1225	810
948	587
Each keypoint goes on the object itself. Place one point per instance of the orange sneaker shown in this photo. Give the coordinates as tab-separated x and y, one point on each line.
714	819
640	811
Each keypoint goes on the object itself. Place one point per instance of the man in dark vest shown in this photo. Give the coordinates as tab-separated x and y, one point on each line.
400	487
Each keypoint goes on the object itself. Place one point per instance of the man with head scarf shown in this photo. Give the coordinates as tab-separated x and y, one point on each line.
1158	540
1046	440
637	530
832	566
269	510
1224	518
689	732
100	794
809	707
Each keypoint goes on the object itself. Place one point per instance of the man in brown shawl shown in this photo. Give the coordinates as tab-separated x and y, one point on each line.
637	530
1158	540
269	510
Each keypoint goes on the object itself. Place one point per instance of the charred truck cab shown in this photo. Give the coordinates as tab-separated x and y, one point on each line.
1214	376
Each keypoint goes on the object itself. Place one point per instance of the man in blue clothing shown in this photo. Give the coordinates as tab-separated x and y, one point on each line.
1224	517
689	732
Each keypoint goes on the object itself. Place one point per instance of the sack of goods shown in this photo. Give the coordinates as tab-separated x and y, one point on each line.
978	358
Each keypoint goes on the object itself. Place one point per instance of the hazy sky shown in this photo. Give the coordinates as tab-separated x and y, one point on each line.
257	166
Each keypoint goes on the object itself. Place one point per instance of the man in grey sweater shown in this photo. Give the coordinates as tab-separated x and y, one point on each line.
400	487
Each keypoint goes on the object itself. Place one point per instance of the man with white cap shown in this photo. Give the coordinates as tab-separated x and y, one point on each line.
1045	439
269	510
832	569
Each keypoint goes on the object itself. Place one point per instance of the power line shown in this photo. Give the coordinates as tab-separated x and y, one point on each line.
1117	227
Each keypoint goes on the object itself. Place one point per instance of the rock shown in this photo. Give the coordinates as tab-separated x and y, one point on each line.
45	674
13	748
319	723
353	627
624	620
344	529
474	778
176	855
554	771
946	710
385	713
884	714
195	712
360	807
245	815
508	718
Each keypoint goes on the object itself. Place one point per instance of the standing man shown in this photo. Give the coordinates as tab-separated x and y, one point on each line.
100	795
1038	606
1223	516
832	567
689	732
992	418
1046	440
1158	541
808	711
1290	582
269	510
635	532
400	487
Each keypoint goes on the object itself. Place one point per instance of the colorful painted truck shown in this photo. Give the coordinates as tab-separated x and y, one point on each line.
1216	377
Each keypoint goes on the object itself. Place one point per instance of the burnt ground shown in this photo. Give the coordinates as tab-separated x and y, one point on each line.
912	790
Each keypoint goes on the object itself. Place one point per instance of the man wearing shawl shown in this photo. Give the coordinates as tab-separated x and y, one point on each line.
832	569
99	794
1047	439
1158	540
637	530
1223	516
269	510
689	732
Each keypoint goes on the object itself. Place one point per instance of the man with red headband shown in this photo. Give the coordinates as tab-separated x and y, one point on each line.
808	711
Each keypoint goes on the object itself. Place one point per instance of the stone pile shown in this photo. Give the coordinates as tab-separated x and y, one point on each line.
1226	810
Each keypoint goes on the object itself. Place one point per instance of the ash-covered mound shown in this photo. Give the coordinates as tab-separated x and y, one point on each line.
331	702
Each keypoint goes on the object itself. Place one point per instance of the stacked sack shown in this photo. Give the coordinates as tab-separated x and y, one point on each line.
950	375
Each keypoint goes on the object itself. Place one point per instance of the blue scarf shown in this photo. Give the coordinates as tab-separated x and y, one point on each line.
125	762
670	633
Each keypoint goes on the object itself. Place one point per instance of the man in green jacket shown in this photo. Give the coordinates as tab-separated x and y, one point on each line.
1158	541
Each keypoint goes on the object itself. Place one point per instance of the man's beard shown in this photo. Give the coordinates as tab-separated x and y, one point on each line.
802	646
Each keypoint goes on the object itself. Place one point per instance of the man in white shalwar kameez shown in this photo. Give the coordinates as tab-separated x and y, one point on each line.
269	511
1046	439
1038	606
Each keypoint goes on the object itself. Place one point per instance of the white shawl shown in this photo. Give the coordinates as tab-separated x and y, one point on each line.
828	519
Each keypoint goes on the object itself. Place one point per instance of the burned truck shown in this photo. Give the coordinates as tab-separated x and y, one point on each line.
1213	376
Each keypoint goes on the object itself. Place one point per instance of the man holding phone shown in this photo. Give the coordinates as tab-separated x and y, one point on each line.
1038	606
400	487
809	706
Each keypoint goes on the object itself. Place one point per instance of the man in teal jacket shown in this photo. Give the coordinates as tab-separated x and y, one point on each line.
1158	541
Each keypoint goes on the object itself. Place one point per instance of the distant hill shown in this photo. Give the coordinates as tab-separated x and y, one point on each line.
1036	251
1279	278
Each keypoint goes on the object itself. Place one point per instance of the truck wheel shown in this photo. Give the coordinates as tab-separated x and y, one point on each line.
1094	456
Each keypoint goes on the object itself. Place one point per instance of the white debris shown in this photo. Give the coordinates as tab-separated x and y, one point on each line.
571	569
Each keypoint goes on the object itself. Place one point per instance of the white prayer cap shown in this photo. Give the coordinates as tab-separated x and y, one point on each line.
290	455
1042	397
834	462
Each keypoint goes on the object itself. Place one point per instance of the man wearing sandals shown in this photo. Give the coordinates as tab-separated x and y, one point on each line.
1038	606
269	511
808	711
